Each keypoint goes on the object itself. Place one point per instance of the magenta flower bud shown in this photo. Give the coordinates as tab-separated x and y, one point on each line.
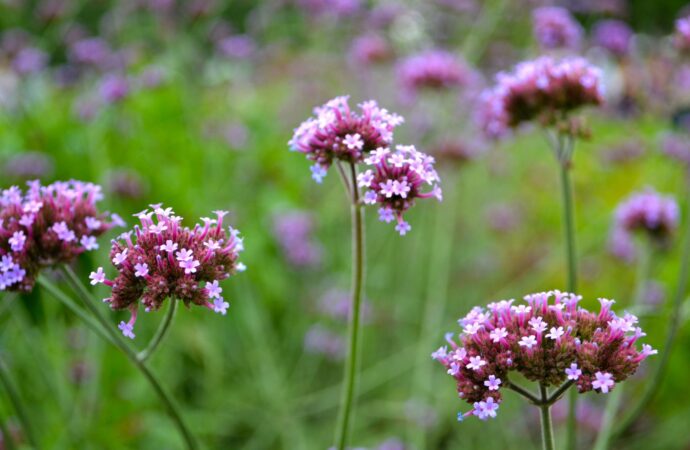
555	28
162	260
543	90
396	180
338	133
594	351
46	226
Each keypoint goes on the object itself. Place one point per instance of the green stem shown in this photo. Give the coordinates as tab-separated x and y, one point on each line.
116	339
658	376
615	398
546	426
18	405
160	333
352	362
564	153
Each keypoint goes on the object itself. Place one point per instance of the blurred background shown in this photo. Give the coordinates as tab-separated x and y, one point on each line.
192	103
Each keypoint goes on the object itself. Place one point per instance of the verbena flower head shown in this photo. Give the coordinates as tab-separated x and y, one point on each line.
555	28
396	179
549	340
543	89
46	226
293	231
161	259
681	37
649	212
433	69
338	133
613	35
369	49
677	147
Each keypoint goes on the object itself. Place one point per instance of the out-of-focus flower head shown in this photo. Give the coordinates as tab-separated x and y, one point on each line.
294	231
676	146
114	88
29	166
681	38
369	49
555	28
29	60
90	51
161	259
239	46
543	89
338	133
432	69
336	304
549	340
614	36
46	226
126	184
320	341
648	212
396	179
457	151
330	8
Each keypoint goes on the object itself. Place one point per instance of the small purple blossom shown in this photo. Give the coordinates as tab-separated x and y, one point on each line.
492	383
603	381
554	28
433	69
614	36
573	372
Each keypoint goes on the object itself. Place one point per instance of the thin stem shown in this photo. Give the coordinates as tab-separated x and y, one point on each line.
524	392
352	362
653	385
546	426
18	405
560	391
566	146
161	332
614	399
116	339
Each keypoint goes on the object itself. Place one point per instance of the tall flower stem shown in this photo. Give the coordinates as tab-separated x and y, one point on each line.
614	400
18	405
161	332
674	323
116	339
546	426
352	363
564	147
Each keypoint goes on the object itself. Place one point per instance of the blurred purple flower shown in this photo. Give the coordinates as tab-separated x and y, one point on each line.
294	231
321	341
114	88
554	27
383	15
681	38
624	152
13	40
29	60
503	217
369	49
239	46
613	35
90	51
654	293
677	147
391	444
126	183
587	413
336	304
461	6
29	166
332	8
236	134
432	69
621	245
85	109
459	151
152	77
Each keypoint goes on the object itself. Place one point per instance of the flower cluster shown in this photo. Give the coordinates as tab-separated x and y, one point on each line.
614	36
541	89
681	38
396	179
649	212
549	340
338	133
162	259
46	226
433	69
369	49
294	230
677	147
554	27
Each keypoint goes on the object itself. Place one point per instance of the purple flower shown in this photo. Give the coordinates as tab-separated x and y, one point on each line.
555	27
396	180
681	37
432	69
237	47
649	212
29	166
127	329
318	340
322	138
114	88
591	349
149	272
44	227
29	60
543	90
90	51
294	231
369	49
613	35
676	146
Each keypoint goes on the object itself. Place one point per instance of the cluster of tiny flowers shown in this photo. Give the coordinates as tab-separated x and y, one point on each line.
554	28
550	340
682	35
433	69
541	89
396	179
614	36
46	226
162	259
338	133
649	212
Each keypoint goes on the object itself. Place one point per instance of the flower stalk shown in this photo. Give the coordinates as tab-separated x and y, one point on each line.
161	332
546	424
352	362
